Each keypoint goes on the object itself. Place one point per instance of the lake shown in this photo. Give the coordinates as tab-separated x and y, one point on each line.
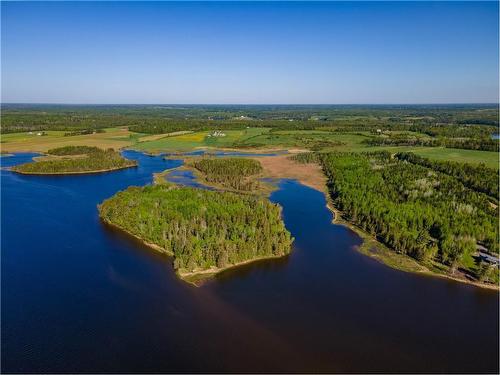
79	297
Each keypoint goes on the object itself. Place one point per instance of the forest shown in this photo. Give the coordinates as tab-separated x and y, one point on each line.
416	210
231	173
477	177
90	159
483	144
202	229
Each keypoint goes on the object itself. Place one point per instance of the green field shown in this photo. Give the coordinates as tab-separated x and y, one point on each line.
489	158
200	139
115	138
245	138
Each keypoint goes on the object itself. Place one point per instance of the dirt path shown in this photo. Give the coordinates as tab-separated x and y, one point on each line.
282	167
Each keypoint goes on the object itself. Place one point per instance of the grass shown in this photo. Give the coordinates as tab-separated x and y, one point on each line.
490	158
252	137
186	142
115	138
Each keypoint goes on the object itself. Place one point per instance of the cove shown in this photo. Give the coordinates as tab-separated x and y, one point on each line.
80	297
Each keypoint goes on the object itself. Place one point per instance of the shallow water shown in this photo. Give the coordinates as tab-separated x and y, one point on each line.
79	297
186	178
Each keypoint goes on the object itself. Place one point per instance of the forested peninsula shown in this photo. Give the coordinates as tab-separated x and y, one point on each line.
440	214
204	231
76	160
229	173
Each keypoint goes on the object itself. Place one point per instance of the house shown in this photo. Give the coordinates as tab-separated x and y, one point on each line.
217	133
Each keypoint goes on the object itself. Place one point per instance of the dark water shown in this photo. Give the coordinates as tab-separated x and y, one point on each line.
78	297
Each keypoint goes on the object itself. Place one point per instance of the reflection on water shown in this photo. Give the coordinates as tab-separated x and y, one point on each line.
79	297
186	178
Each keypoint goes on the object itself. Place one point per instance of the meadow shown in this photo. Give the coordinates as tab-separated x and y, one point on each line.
200	139
248	138
115	138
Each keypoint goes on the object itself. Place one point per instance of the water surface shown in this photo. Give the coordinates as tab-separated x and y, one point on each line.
79	297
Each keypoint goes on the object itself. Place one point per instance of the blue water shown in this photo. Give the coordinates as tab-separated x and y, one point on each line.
186	178
79	297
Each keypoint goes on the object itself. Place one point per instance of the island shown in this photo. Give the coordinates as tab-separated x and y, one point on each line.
204	231
75	160
419	184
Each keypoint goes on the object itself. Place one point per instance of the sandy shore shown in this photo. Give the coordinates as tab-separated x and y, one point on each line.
282	166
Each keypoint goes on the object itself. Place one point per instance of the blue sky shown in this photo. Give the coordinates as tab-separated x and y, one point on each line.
242	52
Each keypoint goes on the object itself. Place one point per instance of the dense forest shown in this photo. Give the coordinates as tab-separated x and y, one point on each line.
231	173
73	150
202	229
477	177
483	144
93	160
415	210
24	117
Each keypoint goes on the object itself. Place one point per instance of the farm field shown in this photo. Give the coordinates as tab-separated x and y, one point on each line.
115	138
186	142
183	141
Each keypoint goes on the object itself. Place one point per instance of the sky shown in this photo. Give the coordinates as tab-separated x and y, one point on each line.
249	52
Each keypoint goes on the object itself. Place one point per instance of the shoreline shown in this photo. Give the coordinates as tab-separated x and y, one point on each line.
370	246
388	257
75	172
190	276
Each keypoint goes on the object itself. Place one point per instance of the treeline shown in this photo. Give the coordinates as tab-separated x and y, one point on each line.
314	141
455	130
203	229
73	150
477	177
416	211
483	144
168	118
83	132
230	172
95	160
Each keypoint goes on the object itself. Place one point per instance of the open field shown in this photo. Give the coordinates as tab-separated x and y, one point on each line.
199	139
245	138
23	142
490	158
282	166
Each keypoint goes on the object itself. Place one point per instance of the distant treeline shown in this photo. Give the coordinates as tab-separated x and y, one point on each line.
483	144
453	126
230	172
203	229
83	132
95	160
412	208
166	118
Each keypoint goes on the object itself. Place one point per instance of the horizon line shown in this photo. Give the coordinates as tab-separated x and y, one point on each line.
256	104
